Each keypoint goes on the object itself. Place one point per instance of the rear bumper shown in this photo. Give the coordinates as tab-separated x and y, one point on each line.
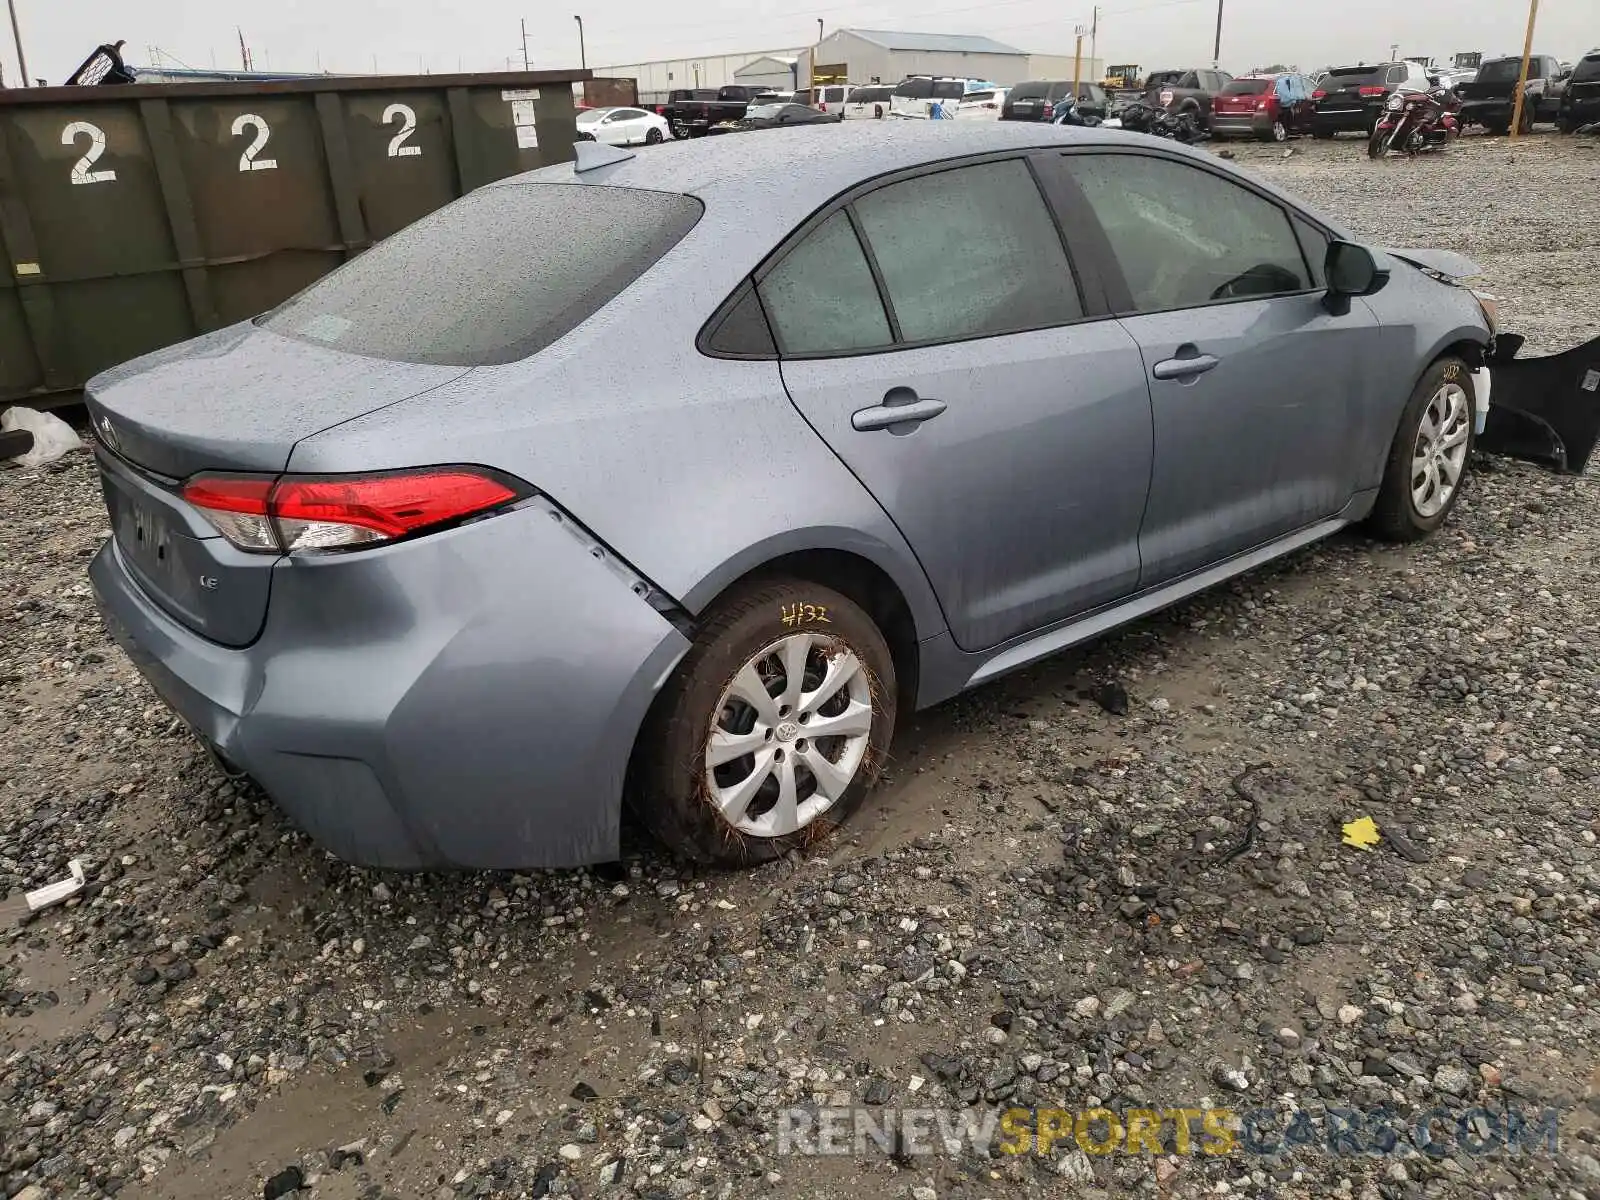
469	699
1241	124
1346	120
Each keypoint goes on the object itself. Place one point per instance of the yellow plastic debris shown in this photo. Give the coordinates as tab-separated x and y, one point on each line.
1361	833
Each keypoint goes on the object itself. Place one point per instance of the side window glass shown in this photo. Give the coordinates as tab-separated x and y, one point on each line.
1185	237
821	298
969	252
743	330
1314	243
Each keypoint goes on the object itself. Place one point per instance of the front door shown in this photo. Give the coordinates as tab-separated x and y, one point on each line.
935	336
1255	387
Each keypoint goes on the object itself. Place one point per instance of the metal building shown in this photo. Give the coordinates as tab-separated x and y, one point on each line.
856	56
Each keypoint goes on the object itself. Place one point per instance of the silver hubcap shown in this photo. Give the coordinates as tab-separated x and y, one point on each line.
791	732
1440	453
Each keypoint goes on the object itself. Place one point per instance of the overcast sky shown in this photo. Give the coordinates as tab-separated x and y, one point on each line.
405	36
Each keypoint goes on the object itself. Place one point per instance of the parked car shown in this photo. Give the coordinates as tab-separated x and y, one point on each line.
1580	105
622	127
401	553
1185	91
770	116
826	97
870	102
1035	100
916	96
696	116
1490	99
981	106
1269	107
1351	99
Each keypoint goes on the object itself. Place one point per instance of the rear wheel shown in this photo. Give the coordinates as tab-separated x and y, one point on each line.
772	729
1428	458
1278	133
652	137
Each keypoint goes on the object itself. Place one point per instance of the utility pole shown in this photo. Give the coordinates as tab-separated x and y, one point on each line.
1094	37
811	67
525	43
1216	50
1077	66
1522	80
16	36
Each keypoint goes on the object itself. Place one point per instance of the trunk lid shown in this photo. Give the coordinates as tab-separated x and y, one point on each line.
240	398
235	400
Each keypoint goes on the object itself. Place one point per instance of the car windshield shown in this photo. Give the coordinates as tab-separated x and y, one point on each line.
948	89
1501	70
1342	77
1588	70
496	276
1247	87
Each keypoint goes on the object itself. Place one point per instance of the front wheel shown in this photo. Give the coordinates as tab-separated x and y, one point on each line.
1428	458
772	729
1378	143
1279	132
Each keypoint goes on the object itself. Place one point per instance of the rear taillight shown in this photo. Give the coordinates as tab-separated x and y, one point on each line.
1318	94
1373	91
340	512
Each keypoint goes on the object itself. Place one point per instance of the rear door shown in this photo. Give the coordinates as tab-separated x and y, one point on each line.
1257	391
935	334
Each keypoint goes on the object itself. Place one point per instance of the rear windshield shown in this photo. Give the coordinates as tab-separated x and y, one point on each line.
915	89
1247	87
1356	77
868	95
1166	79
948	89
1588	70
1036	89
1505	70
496	276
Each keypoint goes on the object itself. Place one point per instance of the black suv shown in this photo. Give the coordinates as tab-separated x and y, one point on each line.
1036	100
1580	104
1185	91
1351	99
1490	99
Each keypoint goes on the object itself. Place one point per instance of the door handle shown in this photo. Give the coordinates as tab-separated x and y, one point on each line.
901	407
1184	368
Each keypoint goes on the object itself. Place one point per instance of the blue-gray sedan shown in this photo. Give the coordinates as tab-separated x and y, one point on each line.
678	476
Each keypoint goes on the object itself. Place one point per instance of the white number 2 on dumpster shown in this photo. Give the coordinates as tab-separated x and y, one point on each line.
97	146
248	160
407	117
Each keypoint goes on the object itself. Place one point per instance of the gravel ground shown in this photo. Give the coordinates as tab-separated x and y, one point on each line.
1056	899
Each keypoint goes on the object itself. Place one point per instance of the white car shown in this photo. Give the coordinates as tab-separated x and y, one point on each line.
981	106
622	127
829	97
922	97
868	103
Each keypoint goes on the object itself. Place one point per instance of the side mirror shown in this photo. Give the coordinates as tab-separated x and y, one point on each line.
1351	270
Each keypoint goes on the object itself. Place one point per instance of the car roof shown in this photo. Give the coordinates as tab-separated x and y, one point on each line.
726	167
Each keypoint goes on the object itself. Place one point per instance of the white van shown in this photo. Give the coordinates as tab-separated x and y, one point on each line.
920	96
870	103
827	97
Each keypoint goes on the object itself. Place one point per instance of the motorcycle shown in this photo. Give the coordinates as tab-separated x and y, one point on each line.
1158	122
1066	113
1415	121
